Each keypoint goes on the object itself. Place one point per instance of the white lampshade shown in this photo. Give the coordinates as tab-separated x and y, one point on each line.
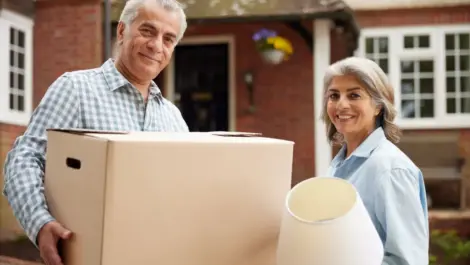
325	223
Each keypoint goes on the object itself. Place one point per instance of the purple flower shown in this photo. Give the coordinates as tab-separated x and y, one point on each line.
263	34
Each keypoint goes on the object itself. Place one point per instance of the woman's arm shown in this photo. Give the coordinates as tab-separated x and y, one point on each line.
400	212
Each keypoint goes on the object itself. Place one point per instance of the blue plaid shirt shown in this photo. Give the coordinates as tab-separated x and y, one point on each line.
99	99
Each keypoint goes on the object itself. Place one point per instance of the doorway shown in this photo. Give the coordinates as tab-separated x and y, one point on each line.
201	81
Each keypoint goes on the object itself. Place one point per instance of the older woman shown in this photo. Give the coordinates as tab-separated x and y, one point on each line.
358	111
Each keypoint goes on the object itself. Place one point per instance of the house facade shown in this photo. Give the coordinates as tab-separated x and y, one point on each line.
57	36
424	47
16	87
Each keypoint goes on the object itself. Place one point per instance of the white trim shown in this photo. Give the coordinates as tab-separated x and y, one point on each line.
10	19
169	79
321	61
436	52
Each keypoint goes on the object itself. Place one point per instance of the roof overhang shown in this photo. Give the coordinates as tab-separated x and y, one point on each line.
290	12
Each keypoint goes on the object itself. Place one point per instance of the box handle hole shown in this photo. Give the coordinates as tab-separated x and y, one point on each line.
73	163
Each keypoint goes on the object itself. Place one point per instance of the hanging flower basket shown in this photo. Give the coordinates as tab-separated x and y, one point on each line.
273	56
274	49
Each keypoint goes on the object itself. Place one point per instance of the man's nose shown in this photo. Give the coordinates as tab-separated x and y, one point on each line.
156	44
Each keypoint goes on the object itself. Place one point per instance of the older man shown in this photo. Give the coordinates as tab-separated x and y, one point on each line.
118	96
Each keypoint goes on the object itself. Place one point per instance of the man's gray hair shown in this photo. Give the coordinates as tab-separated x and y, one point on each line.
130	12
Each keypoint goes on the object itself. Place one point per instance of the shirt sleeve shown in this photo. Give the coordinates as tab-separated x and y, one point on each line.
25	163
401	215
180	123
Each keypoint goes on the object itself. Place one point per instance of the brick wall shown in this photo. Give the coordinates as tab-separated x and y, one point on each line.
423	16
283	93
67	36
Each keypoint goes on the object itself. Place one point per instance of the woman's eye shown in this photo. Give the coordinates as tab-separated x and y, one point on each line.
354	96
333	96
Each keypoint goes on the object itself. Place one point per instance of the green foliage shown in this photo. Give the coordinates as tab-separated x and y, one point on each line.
453	247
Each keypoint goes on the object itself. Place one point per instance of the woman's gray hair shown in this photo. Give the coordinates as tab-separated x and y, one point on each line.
131	9
376	82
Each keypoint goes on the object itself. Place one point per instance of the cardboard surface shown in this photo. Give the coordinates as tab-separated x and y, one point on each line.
168	198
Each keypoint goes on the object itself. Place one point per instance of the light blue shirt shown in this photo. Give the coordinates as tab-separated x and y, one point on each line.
393	192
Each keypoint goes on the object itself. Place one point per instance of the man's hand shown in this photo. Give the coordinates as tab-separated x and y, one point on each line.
48	238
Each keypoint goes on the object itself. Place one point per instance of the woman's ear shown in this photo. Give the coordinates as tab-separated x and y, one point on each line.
378	110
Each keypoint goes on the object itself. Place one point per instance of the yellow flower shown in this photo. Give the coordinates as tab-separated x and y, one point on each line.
280	43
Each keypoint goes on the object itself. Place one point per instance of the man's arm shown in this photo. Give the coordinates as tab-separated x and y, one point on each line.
401	215
25	163
180	123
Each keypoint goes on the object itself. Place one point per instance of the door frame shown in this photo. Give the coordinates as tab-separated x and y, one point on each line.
169	74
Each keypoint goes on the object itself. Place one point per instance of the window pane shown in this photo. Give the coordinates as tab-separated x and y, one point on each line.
450	63
407	86
20	60
383	63
450	42
465	105
423	41
450	82
20	82
464	42
20	38
369	45
12	36
12	58
426	66
383	45
408	42
12	80
407	67
12	101
20	103
465	84
426	85
451	105
465	62
408	108
427	108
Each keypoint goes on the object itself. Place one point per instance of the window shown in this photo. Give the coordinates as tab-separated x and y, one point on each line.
16	70
429	67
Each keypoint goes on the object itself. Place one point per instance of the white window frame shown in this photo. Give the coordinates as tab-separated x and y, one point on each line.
436	52
11	19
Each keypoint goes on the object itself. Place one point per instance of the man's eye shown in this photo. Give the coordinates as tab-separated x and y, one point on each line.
146	31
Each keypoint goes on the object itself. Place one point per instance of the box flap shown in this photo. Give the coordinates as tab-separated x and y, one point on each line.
86	131
236	134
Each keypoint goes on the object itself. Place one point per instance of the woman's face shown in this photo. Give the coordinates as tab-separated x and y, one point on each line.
350	107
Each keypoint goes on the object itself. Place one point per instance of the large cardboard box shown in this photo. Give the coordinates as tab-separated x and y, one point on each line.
168	198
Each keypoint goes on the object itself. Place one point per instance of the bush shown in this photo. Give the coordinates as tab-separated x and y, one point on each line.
452	247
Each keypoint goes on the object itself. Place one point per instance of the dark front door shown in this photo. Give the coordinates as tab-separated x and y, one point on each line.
201	86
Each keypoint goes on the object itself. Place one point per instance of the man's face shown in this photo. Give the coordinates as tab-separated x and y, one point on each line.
148	43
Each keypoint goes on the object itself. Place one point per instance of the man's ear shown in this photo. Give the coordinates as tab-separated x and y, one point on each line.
121	27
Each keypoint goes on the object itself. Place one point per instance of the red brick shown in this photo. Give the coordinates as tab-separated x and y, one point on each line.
283	93
68	36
